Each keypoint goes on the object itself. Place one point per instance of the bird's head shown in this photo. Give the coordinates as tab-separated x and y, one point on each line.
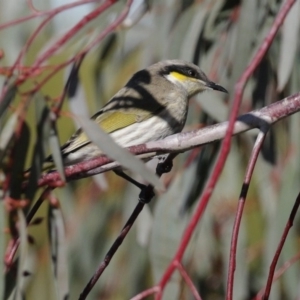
187	76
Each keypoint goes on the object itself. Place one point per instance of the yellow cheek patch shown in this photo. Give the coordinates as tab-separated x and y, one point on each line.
178	76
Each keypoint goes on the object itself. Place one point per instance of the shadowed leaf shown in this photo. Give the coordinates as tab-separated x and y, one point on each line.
8	98
38	156
72	82
2	245
19	157
36	221
205	163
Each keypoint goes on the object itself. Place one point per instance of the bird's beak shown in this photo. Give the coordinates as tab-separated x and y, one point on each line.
215	87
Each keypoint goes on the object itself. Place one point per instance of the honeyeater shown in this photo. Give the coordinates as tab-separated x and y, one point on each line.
152	105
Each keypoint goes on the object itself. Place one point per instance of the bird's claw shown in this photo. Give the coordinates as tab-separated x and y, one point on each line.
146	194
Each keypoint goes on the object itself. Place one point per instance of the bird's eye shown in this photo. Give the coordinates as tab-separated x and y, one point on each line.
191	73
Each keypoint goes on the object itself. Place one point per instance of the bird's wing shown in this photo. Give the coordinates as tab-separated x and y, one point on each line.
110	119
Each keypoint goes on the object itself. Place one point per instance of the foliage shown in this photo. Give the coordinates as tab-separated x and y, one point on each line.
75	225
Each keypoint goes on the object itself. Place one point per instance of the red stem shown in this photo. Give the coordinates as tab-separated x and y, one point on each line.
79	56
238	218
86	19
188	281
287	228
44	13
146	293
279	273
239	88
42	25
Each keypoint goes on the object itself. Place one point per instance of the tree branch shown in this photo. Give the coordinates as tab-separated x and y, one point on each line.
183	141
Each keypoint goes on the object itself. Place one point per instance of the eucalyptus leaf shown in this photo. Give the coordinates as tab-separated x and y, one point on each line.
288	46
190	37
8	98
287	196
167	230
7	134
178	36
58	252
22	256
55	148
7	131
246	33
112	150
42	134
19	157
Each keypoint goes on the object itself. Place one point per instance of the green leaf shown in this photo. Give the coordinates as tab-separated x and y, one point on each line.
288	46
246	33
23	254
7	134
167	230
38	156
58	251
56	149
195	21
114	151
8	98
178	36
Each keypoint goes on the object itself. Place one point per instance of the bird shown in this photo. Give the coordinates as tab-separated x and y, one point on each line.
152	105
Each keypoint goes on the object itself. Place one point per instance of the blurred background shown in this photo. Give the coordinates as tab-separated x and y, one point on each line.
221	37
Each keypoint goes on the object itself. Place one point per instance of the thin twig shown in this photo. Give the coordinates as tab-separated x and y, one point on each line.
117	243
188	281
279	273
70	33
236	227
113	26
287	228
146	293
146	197
53	11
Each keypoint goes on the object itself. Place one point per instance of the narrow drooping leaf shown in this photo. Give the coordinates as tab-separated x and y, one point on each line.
22	256
246	33
2	245
189	49
55	149
114	151
58	251
167	230
205	163
7	134
19	157
288	46
136	12
179	37
8	98
38	156
72	82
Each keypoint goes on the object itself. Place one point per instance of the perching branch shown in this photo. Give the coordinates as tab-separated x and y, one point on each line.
183	141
